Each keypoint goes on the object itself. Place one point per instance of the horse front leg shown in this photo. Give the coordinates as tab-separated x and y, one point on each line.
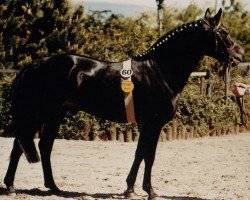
149	157
129	193
145	150
10	175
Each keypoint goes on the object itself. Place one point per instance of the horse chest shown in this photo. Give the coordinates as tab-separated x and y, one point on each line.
155	104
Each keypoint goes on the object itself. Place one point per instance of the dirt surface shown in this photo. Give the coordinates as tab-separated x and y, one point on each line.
198	169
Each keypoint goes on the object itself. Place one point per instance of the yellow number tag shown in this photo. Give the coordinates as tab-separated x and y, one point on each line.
127	86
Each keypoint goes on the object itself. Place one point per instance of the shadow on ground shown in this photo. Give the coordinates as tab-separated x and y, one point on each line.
181	198
65	194
69	194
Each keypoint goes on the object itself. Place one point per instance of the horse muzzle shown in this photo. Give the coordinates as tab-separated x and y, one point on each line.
236	54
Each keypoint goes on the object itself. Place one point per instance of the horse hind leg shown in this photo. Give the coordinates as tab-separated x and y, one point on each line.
26	128
29	149
25	135
10	175
46	142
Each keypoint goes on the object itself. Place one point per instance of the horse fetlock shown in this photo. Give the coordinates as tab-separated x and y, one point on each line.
153	196
8	182
130	182
149	189
52	186
10	191
130	193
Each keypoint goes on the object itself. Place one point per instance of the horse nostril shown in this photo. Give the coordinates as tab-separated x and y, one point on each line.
238	57
239	49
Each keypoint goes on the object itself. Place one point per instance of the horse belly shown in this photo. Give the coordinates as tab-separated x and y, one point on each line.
103	103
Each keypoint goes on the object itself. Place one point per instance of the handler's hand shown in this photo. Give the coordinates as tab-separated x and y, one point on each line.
239	89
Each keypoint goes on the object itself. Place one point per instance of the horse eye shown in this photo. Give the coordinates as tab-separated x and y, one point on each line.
81	76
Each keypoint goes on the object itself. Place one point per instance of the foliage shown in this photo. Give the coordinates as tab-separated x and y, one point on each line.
30	30
5	116
208	112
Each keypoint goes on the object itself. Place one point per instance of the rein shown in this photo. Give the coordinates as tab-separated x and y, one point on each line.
217	35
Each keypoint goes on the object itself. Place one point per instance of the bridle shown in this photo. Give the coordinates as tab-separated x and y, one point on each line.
228	63
217	37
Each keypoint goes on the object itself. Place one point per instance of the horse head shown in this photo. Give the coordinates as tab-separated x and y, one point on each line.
223	48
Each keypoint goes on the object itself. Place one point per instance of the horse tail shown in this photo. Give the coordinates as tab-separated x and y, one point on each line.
24	110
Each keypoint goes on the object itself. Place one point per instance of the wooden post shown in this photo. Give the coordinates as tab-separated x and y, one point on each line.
218	131
174	130
201	76
242	129
213	132
237	129
230	130
136	134
179	133
196	128
112	132
164	135
201	85
223	132
169	133
191	132
120	136
86	131
128	135
187	133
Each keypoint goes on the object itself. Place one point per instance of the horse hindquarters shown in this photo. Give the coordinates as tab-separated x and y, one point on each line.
26	123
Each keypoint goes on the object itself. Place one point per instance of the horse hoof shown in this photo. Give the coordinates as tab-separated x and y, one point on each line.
153	196
10	191
53	188
130	195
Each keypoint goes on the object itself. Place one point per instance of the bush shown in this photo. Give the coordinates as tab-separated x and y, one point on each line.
30	30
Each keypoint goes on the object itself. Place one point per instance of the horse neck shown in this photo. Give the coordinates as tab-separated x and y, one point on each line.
177	53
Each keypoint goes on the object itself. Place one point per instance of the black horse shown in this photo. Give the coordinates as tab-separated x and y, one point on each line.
43	93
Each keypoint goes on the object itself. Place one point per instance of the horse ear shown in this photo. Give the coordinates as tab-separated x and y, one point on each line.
216	18
207	14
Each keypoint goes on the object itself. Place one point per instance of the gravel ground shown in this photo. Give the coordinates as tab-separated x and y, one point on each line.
198	169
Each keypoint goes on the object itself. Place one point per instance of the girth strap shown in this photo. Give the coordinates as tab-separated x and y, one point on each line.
127	87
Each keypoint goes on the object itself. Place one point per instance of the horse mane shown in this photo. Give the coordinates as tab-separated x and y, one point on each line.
169	37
